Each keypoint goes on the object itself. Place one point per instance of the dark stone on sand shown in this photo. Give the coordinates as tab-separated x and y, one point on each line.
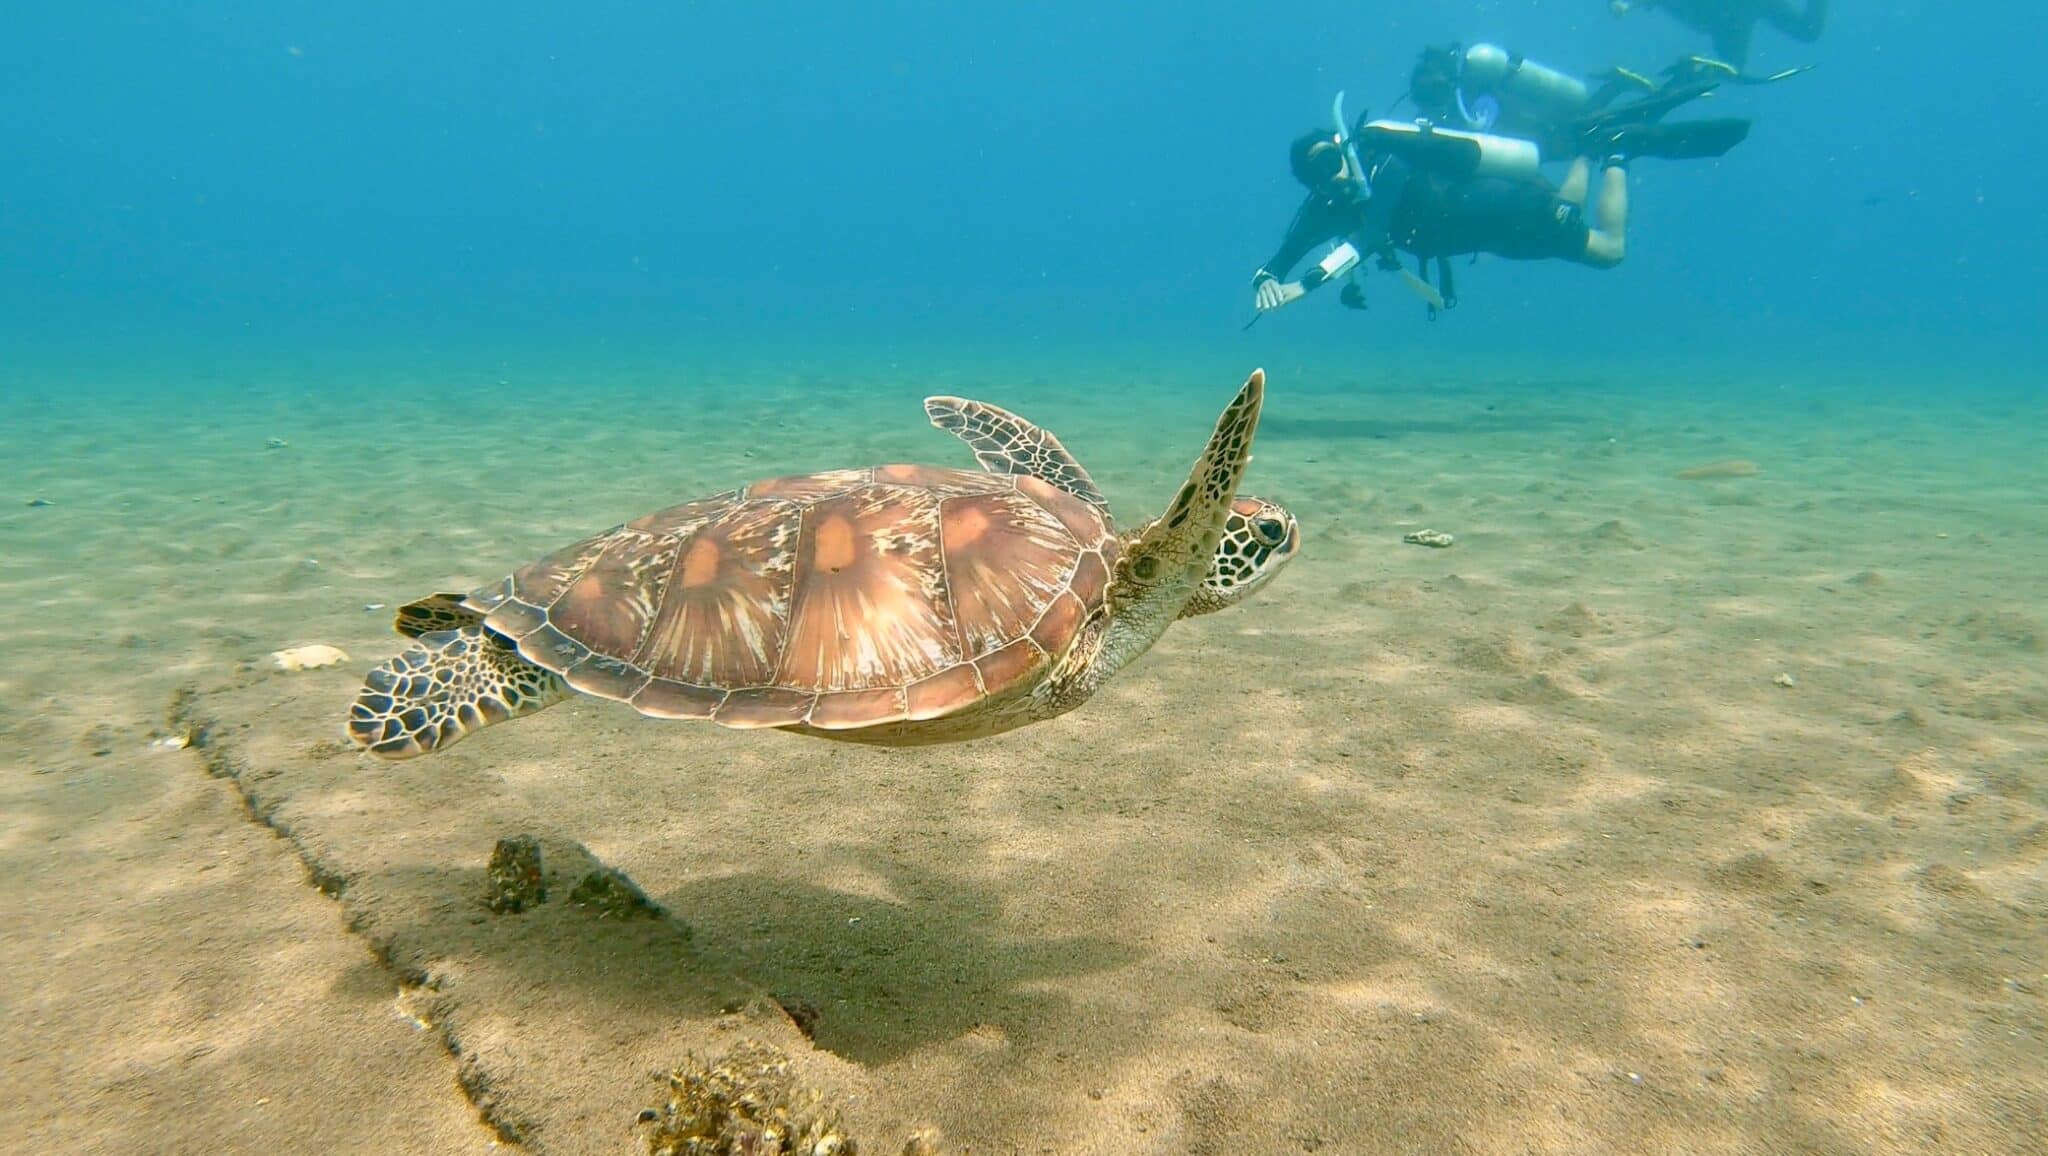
516	880
608	894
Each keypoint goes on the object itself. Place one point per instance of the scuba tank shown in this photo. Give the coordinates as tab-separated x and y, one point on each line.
1346	257
1489	68
1451	151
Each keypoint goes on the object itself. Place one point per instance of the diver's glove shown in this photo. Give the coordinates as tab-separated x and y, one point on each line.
1269	292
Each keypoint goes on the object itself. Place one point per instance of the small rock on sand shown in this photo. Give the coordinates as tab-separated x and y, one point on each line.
309	657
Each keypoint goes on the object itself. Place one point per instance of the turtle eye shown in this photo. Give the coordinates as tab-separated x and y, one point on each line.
1270	531
1146	568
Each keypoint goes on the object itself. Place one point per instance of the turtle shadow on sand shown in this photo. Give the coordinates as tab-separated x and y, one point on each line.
866	979
872	980
555	1007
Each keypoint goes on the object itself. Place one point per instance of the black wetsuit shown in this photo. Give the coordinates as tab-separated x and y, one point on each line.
1429	215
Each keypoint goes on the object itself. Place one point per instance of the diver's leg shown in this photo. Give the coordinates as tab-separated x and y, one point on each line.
1804	24
1576	178
1607	238
1731	42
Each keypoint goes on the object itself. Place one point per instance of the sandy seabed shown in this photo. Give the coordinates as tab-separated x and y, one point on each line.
1689	814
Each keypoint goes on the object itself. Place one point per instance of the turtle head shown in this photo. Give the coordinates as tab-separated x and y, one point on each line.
1259	539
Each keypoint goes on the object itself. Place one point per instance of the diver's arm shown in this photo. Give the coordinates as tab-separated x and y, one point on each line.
1269	292
1371	230
1313	224
1308	228
1341	260
1367	234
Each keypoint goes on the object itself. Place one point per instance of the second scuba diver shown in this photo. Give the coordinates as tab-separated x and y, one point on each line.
1394	186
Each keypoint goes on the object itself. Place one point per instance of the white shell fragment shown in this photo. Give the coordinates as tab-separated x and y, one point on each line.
309	657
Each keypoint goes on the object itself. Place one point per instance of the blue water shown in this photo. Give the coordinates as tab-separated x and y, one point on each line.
1693	798
194	185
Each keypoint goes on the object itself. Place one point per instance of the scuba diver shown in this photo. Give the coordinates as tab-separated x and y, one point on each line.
1391	186
1486	88
1731	23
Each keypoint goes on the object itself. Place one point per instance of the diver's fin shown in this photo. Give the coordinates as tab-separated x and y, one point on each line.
1773	78
1648	109
1614	83
1674	140
1694	69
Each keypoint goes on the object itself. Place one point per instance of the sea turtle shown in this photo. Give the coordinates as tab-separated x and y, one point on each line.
898	604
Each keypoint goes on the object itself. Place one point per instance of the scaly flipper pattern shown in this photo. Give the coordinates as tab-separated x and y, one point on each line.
449	684
1007	444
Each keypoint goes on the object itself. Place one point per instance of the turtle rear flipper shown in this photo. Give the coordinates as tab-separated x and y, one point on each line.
1007	444
449	683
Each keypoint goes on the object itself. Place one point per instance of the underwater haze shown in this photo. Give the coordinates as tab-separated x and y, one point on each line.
1644	753
190	181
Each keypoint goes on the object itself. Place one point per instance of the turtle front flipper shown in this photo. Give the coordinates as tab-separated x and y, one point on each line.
1007	444
1161	567
1176	549
450	683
